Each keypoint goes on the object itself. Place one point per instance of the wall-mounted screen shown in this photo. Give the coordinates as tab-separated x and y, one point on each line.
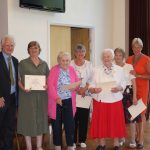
48	5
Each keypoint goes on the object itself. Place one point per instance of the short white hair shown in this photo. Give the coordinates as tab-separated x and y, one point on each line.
109	50
62	54
6	37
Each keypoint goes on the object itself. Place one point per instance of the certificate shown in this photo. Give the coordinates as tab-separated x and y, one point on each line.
135	110
83	102
106	86
71	86
35	82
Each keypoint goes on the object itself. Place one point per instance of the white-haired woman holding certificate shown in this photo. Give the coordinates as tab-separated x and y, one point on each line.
32	111
108	116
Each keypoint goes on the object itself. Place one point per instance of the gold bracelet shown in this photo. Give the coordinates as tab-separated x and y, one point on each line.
139	75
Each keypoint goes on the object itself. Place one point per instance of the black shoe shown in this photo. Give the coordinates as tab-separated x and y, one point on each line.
100	147
137	141
139	146
116	148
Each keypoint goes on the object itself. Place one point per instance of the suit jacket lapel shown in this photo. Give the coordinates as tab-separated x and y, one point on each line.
2	61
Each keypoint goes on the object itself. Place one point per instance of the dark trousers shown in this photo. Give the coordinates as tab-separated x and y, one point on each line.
7	124
81	124
64	114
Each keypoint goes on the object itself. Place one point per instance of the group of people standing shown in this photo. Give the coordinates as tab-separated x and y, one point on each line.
109	107
27	106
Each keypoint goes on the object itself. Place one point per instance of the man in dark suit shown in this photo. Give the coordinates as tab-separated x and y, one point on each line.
8	93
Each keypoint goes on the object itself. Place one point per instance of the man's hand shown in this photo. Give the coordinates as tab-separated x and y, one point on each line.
2	102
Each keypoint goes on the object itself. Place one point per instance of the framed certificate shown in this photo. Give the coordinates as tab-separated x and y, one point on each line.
35	82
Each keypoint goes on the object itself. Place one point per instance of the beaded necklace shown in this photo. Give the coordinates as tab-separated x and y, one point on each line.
108	71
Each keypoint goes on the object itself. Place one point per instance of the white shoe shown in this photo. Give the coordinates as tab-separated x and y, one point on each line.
121	141
74	145
132	145
83	145
57	147
70	148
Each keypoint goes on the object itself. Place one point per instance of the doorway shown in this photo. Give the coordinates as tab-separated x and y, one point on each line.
65	38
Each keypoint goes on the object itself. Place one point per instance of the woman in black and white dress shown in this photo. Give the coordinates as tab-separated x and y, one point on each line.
83	69
129	94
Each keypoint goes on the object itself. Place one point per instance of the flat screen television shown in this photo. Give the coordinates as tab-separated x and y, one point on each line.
47	5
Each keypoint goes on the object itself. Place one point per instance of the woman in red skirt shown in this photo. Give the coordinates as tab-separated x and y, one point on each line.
108	116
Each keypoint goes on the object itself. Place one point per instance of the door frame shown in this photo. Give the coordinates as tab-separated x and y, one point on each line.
92	35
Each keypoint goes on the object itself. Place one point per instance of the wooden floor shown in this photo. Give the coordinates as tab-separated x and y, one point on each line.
91	144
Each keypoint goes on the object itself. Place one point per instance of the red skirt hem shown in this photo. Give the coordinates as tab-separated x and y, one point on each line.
107	120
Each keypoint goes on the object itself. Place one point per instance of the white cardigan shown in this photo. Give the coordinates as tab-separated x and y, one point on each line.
100	76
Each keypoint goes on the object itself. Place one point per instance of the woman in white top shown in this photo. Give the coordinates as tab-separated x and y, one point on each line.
108	116
129	94
83	69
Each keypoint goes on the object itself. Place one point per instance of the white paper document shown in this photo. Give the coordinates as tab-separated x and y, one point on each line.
35	82
83	102
135	110
71	86
106	86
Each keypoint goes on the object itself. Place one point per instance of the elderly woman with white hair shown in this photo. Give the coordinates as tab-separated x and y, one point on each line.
62	102
108	116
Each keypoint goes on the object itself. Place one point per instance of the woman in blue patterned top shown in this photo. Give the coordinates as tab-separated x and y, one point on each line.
62	102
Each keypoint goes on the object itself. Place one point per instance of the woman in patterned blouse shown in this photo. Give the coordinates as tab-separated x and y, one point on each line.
61	101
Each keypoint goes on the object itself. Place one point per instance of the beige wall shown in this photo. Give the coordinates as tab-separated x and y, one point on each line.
3	18
106	17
